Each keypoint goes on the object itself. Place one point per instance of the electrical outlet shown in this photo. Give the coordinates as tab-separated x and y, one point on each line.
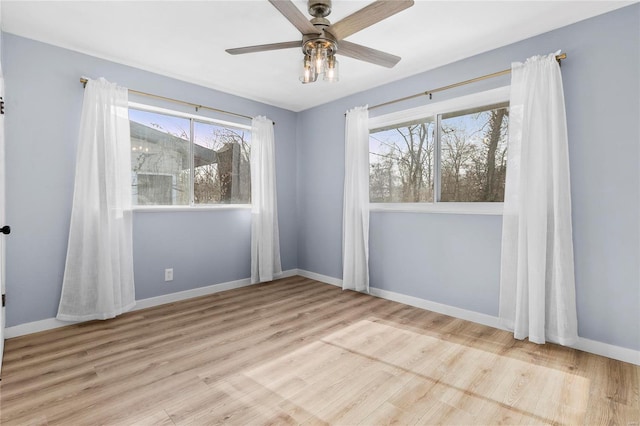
168	274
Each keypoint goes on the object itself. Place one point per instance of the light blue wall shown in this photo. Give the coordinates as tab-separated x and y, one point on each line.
43	103
455	259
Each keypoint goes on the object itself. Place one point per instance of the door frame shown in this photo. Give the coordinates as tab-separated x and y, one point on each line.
2	219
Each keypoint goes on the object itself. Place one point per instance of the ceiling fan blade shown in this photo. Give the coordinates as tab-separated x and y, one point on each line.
367	16
264	47
367	54
293	15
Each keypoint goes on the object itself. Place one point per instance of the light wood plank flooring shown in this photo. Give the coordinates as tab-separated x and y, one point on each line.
297	351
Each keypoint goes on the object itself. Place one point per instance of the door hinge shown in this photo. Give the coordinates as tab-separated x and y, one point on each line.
4	300
1	105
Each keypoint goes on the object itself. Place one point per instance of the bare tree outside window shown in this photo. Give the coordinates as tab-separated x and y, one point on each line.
403	159
221	165
401	163
474	155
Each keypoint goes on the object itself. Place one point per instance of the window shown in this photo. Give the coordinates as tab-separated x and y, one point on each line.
401	163
473	154
454	151
181	160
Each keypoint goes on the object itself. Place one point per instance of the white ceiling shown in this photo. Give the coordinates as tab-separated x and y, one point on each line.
186	39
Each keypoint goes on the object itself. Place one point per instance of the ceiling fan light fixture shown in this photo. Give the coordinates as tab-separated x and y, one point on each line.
309	74
320	52
331	71
320	55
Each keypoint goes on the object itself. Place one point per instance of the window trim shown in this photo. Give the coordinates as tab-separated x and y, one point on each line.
440	207
475	100
191	206
187	115
206	207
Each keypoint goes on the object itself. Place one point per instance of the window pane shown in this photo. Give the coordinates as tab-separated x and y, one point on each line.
160	159
401	163
221	165
474	155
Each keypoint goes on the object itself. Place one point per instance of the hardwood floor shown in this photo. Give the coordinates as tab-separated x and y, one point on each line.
296	351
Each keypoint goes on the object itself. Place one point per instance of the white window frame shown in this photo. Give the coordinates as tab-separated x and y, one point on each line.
476	100
191	206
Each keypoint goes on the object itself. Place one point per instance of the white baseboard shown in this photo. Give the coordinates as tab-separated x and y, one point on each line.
610	351
189	294
34	327
440	308
599	348
51	323
319	277
286	274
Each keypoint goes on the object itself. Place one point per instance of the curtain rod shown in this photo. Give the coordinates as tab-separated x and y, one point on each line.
451	86
84	81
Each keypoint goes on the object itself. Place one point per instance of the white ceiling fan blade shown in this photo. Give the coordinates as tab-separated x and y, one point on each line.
264	47
367	16
293	15
367	54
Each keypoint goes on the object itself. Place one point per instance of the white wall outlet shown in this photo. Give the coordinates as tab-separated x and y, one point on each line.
168	274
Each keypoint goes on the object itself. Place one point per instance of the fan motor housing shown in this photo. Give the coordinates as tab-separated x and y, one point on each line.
319	8
325	40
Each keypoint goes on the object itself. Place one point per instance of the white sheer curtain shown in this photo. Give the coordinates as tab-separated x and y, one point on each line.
537	289
98	276
265	238
355	219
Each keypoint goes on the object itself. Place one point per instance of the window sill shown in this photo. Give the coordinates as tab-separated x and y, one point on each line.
211	207
447	208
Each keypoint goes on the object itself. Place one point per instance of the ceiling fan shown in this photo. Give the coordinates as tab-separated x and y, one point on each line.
321	40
